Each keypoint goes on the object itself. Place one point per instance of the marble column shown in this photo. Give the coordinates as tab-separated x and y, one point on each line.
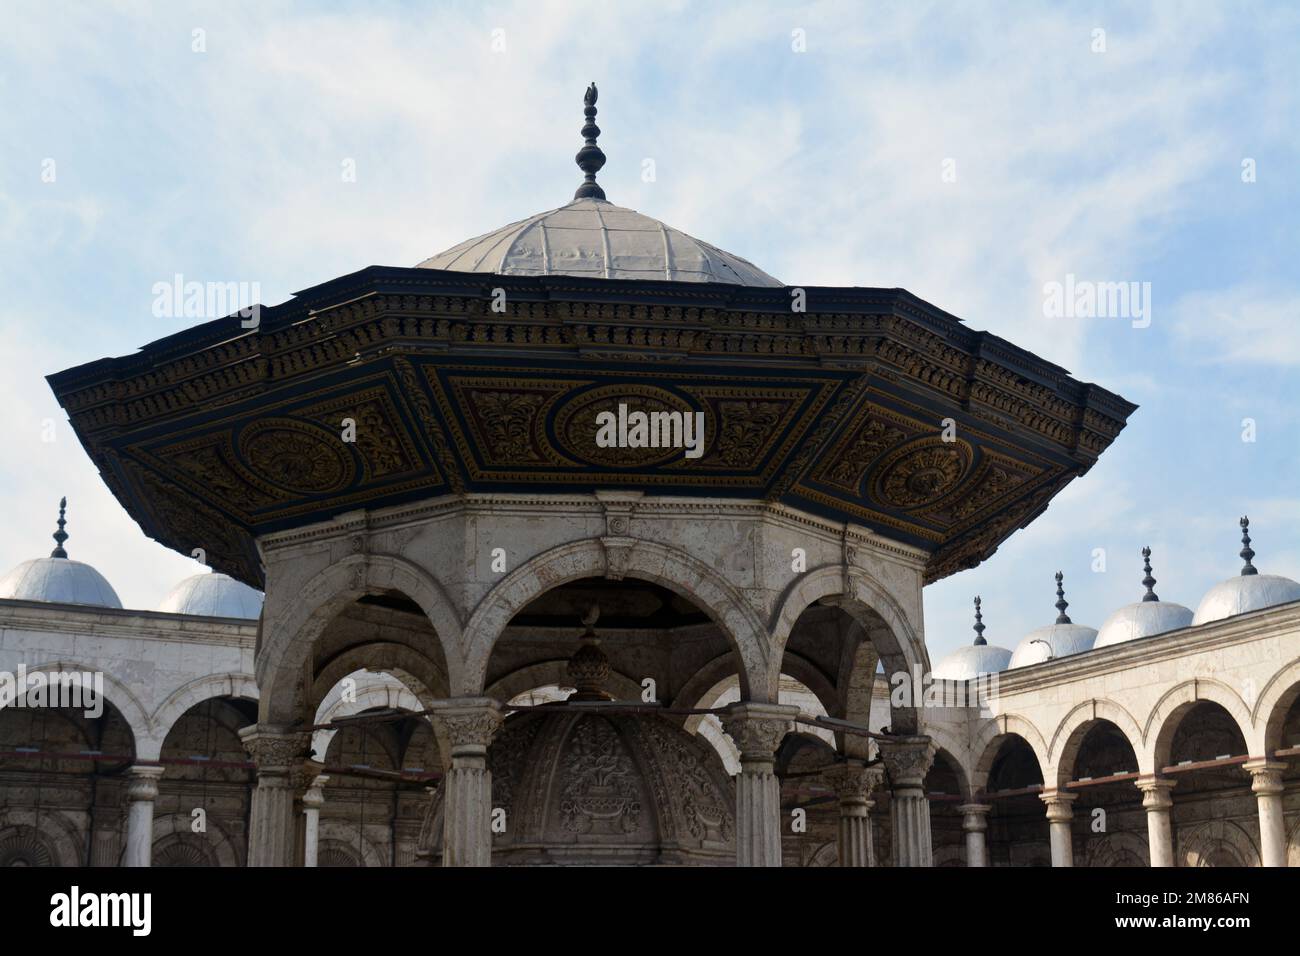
106	822
141	792
757	730
312	801
1266	781
273	829
854	782
468	724
907	760
1060	816
975	823
1159	806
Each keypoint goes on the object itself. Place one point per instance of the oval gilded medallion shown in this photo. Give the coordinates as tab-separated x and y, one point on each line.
297	457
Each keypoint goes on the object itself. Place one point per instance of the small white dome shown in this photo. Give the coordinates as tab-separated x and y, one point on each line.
971	661
1143	619
58	581
1245	593
596	239
1063	639
213	595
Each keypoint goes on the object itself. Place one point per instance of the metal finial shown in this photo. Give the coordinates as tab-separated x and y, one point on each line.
1245	552
1148	582
1061	602
60	536
979	624
590	159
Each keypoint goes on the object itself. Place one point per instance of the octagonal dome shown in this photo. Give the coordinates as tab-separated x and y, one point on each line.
213	595
596	239
584	788
1143	619
58	581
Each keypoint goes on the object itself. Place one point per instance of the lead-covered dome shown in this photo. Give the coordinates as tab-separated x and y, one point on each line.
1146	618
1249	591
1060	639
596	239
58	581
213	595
975	660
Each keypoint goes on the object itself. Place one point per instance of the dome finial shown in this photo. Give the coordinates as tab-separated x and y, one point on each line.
1245	552
1061	602
588	668
979	624
590	159
1148	582
60	536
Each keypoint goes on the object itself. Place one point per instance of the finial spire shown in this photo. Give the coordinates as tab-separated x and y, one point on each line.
1245	552
60	536
1148	582
979	624
590	159
1061	602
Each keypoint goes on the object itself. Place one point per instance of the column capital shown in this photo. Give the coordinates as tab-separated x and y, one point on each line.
757	728
853	781
1060	805
1266	775
314	797
1155	792
469	723
907	758
974	816
276	750
142	782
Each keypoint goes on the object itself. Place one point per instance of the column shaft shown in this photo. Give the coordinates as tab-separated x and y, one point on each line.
273	831
141	792
907	760
1060	815
975	824
1159	806
469	724
758	730
1266	781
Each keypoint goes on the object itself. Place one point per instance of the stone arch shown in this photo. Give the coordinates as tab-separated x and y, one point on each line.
116	693
811	677
1119	848
1072	729
949	855
416	671
646	560
190	695
991	736
1271	709
827	854
32	829
865	595
948	745
216	846
546	673
387	692
1208	844
1170	709
340	840
286	644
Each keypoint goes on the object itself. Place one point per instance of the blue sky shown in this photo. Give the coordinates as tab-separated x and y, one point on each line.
822	167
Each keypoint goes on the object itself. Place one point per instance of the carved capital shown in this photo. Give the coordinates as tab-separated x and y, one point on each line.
974	817
1155	793
314	797
469	724
907	759
1265	775
142	783
854	781
276	750
758	729
1060	806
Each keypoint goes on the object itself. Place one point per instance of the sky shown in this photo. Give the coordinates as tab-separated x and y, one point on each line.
970	153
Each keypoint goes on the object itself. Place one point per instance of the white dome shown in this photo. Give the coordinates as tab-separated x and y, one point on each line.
971	661
1245	593
58	581
213	595
1064	639
1143	619
596	239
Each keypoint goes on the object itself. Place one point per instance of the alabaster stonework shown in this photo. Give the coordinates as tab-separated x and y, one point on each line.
444	618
